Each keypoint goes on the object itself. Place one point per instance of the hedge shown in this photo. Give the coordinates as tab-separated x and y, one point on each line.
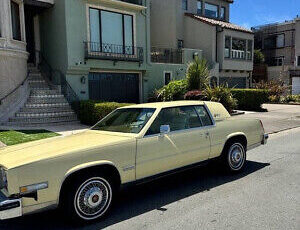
90	112
250	99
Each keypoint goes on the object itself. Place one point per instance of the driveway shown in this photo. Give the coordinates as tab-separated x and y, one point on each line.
278	117
265	196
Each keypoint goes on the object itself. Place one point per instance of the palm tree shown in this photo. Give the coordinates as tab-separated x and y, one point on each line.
197	74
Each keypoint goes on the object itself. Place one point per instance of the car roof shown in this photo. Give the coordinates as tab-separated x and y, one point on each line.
159	105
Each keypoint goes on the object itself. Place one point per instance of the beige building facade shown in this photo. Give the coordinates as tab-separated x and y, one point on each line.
204	25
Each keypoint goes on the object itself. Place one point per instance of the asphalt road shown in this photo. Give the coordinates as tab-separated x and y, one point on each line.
265	196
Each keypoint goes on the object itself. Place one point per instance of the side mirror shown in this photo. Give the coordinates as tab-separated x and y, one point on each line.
164	129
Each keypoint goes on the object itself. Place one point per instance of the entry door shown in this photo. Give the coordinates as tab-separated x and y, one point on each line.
116	87
187	143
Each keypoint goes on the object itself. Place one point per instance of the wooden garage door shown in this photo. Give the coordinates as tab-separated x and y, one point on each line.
117	87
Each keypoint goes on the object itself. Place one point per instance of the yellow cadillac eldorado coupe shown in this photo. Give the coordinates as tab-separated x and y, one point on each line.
82	173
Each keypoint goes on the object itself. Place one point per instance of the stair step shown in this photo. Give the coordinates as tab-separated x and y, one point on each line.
46	100
43	92
35	81
42	96
38	124
46	109
34	78
44	115
35	74
39	120
46	105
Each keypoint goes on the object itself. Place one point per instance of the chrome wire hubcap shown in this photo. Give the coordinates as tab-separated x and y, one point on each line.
92	198
236	156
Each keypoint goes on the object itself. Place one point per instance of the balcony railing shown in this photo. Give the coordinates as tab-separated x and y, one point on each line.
238	54
96	50
137	2
166	55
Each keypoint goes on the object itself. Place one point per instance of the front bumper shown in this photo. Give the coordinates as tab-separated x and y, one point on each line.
9	208
265	139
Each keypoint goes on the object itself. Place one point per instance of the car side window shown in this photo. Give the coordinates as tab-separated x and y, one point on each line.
178	118
204	116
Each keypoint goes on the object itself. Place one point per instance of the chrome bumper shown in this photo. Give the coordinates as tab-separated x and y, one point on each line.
265	139
9	208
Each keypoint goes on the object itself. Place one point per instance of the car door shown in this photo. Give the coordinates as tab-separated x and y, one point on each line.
186	143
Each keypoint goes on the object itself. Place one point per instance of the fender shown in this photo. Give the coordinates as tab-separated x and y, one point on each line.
233	135
85	166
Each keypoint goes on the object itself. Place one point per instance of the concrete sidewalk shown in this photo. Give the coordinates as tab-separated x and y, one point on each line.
278	118
2	145
63	130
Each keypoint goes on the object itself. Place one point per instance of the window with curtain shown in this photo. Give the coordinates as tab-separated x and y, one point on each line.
111	32
15	20
227	47
211	10
222	13
199	7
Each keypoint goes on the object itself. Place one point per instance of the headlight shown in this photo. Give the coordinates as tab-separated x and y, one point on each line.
3	178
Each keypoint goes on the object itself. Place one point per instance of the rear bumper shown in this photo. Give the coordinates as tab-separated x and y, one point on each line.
9	208
265	139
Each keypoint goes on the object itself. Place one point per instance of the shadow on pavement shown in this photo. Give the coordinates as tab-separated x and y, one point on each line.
141	199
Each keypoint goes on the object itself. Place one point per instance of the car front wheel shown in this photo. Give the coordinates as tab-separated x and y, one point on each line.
89	198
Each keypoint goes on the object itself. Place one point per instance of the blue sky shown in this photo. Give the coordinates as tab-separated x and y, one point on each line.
250	13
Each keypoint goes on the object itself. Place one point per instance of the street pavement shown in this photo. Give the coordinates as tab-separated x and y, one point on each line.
265	196
278	118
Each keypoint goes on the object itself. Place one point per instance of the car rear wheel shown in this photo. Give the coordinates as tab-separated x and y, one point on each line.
89	197
234	157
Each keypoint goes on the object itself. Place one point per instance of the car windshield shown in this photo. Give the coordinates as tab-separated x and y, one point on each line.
130	120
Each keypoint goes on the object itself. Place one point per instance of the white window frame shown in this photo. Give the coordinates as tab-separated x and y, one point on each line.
171	76
88	6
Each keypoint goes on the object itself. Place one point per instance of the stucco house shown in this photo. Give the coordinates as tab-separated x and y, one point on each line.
280	43
204	25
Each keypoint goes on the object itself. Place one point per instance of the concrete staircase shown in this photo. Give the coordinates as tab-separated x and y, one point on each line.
45	106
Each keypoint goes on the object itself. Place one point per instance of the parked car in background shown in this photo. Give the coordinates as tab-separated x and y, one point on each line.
82	173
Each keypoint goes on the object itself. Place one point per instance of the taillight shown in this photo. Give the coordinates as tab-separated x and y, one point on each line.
262	126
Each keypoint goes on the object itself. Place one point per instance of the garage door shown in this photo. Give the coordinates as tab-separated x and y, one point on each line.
117	87
296	85
237	82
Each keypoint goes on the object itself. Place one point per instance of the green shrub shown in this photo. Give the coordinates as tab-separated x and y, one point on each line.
223	95
250	99
91	112
290	98
197	74
175	90
259	57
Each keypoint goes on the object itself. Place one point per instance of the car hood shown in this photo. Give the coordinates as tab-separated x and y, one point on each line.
22	154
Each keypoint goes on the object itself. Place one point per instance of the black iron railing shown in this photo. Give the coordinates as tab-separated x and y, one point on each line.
137	2
166	55
96	50
57	79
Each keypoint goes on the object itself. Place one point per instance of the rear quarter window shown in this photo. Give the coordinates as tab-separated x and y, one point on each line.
217	110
